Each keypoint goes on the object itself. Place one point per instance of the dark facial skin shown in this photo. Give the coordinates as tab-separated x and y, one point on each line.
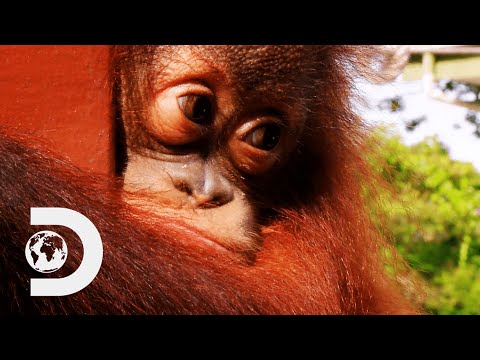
212	130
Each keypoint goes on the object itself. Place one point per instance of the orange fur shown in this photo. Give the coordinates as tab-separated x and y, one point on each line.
320	254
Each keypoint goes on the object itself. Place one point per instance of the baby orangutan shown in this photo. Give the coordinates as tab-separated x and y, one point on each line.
242	169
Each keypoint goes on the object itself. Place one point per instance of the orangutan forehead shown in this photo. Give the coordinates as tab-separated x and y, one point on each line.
263	59
250	63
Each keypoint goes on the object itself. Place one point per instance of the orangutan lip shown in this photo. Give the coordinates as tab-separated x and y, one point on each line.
205	240
215	245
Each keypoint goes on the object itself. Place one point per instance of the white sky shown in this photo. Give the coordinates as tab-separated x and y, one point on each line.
440	118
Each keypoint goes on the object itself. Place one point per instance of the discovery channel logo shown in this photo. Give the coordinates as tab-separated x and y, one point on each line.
46	251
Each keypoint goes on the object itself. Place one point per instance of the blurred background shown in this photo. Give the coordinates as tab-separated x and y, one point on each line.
426	113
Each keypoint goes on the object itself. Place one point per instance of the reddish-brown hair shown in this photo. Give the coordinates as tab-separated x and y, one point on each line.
320	254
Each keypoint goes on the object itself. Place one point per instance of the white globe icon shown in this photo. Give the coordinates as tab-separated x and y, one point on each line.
46	251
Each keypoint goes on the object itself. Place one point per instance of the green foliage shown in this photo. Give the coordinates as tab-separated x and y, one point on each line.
456	291
435	219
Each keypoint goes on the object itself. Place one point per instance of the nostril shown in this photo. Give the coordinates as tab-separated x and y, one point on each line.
209	205
210	193
207	202
184	187
215	202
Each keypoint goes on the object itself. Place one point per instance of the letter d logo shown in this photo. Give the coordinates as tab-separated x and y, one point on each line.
92	251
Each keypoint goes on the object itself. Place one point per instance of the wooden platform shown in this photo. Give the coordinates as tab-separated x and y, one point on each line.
454	62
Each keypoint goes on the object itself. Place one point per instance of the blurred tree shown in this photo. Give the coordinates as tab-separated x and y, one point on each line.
473	118
413	123
434	219
460	93
460	90
393	104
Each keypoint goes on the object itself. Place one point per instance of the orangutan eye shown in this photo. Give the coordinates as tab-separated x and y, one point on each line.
260	144
182	114
264	137
197	108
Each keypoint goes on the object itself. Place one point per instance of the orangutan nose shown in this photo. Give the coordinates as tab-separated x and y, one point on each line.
208	190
